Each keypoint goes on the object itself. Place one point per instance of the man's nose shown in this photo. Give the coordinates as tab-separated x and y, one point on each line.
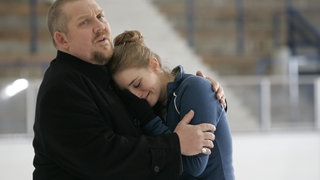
100	26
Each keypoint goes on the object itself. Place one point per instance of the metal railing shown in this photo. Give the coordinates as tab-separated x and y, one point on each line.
279	102
269	99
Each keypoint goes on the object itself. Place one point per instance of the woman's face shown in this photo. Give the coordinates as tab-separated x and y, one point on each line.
142	82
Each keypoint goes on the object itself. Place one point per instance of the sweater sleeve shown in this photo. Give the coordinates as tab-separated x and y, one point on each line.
197	95
156	127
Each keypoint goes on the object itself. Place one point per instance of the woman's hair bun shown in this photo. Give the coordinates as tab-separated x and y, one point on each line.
132	36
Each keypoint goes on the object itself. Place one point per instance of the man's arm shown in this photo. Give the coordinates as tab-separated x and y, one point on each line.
192	137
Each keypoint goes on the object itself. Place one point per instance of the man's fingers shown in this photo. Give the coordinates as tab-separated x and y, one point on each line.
199	73
206	151
219	91
223	102
207	127
209	136
222	98
215	84
187	118
208	144
217	88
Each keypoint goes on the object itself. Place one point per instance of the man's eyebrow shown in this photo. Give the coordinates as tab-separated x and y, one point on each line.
82	17
99	11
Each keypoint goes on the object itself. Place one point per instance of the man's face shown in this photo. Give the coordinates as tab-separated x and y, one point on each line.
89	35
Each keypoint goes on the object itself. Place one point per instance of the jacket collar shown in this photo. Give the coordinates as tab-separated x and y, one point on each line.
172	86
97	73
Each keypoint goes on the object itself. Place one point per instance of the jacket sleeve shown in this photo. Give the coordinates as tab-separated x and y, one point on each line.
207	109
87	143
156	127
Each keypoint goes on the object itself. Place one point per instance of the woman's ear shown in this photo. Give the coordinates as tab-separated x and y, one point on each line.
61	40
154	63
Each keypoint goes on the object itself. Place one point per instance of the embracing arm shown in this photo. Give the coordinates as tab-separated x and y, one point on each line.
207	110
217	88
191	137
76	132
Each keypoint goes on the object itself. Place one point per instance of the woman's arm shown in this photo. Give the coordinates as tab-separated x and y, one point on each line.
217	88
197	95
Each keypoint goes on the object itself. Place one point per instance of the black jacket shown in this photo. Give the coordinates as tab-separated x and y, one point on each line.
82	130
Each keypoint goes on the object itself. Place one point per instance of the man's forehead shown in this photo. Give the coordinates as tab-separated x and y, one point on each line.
78	9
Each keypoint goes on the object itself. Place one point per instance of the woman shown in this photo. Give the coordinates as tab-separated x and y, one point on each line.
136	68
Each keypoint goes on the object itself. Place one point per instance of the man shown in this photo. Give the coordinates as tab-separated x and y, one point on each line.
82	130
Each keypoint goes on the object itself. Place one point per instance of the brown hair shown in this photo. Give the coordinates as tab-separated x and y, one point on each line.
57	19
130	51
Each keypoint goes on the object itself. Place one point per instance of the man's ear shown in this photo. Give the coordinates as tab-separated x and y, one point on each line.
61	40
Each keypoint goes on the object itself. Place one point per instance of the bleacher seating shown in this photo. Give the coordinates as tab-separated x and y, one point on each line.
215	30
16	37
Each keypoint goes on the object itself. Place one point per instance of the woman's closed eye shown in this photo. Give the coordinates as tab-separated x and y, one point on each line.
137	84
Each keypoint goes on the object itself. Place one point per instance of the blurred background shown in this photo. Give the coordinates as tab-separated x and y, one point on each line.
266	55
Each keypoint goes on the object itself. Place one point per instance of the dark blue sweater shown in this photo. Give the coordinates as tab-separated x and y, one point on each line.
192	92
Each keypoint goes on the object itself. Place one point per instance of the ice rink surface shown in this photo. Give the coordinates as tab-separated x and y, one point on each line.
257	156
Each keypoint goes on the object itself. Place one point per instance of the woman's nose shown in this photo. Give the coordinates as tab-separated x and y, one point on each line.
137	93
